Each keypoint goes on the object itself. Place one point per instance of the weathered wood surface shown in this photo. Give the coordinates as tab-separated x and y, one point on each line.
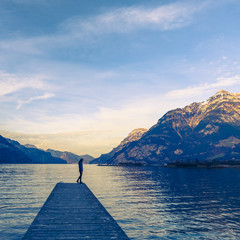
73	212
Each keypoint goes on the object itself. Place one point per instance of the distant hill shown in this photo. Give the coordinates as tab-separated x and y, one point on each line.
70	157
36	155
12	151
10	154
29	146
208	131
135	135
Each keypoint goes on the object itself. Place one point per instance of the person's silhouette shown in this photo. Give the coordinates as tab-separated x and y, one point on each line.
80	166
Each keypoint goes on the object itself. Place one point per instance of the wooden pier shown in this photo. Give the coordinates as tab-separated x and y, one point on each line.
73	212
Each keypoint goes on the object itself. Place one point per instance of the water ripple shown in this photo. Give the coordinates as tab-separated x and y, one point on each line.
148	202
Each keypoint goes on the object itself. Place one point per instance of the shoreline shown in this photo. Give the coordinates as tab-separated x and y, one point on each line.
174	165
203	166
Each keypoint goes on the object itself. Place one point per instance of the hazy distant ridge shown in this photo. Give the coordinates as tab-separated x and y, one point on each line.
12	151
70	157
36	155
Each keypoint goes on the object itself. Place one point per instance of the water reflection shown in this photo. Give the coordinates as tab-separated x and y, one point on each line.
148	202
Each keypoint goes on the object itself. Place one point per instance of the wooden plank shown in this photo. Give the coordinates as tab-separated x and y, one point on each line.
73	212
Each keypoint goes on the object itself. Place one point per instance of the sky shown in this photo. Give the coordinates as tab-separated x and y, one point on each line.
80	75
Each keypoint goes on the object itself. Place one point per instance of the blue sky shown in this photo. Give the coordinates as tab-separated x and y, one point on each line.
80	75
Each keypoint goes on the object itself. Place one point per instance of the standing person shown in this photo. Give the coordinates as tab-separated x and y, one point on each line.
80	166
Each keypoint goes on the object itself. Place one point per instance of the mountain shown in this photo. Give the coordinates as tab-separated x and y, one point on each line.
10	154
36	155
29	146
12	151
70	157
132	136
204	132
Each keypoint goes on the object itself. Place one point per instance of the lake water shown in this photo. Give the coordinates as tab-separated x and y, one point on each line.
147	202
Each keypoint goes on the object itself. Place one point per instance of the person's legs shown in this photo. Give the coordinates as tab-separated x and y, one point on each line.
80	176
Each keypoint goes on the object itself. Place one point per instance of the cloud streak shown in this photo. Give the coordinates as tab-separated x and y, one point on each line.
205	88
43	97
114	21
127	19
10	83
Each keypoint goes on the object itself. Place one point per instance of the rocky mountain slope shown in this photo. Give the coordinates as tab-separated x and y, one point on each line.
10	154
135	135
70	157
207	131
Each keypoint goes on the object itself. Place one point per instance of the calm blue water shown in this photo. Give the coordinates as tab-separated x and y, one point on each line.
147	202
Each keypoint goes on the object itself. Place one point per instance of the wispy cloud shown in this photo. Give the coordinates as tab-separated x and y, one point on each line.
205	87
121	21
43	97
10	83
